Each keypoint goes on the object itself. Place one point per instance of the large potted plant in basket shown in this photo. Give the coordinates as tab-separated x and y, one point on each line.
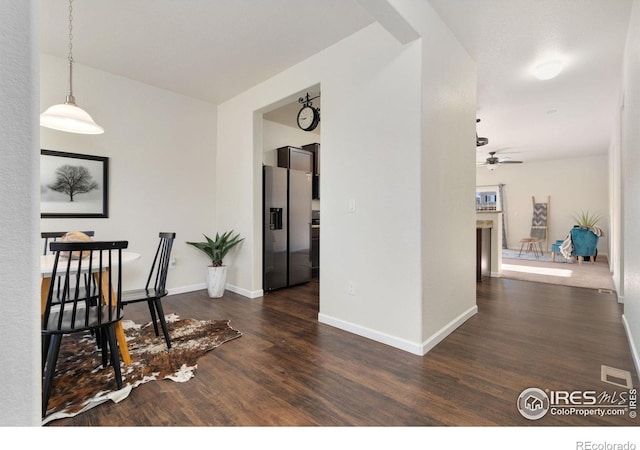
216	249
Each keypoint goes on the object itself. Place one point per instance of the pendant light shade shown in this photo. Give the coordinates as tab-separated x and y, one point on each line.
71	118
68	116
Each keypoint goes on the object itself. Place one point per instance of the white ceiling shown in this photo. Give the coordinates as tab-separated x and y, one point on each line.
528	119
207	49
216	49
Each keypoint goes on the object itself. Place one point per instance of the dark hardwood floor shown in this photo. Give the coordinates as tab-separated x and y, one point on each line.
289	370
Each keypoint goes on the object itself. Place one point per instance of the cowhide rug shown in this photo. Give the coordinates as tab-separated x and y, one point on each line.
81	382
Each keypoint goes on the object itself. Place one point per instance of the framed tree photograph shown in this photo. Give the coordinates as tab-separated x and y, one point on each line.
73	185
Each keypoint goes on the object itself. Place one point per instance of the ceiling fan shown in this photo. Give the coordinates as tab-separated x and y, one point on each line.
492	161
480	141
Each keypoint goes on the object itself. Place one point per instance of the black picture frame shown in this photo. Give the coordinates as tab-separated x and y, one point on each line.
73	185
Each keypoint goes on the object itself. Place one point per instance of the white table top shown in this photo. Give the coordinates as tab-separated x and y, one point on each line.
46	261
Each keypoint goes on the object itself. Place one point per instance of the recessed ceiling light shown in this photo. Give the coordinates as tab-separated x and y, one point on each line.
548	70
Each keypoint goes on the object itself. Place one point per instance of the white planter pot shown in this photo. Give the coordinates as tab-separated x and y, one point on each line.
216	281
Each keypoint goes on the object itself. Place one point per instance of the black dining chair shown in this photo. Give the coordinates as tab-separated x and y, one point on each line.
53	236
76	311
155	289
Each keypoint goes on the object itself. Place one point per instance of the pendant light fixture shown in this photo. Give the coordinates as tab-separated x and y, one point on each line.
69	116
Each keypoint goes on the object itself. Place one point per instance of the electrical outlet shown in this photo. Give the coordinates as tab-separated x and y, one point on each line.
351	288
172	263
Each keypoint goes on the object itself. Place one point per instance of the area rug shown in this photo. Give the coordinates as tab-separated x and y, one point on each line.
530	256
81	383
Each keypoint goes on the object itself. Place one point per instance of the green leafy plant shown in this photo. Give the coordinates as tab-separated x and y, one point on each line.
585	219
216	249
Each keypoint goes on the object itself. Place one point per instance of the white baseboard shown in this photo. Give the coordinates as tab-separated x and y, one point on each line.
445	331
412	347
634	350
185	289
245	292
402	344
202	286
616	285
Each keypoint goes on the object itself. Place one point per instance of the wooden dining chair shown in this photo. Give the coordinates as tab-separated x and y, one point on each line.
76	312
53	236
155	289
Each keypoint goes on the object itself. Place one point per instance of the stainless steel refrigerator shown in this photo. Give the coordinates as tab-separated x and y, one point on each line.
286	227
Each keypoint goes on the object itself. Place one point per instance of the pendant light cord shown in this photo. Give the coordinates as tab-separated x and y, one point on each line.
69	116
70	98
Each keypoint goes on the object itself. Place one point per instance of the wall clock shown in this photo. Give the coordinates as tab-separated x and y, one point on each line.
308	118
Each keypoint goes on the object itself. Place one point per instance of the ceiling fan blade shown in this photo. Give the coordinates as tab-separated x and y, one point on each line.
509	162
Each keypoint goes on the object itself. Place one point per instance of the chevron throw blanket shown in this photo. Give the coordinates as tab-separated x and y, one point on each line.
539	221
539	215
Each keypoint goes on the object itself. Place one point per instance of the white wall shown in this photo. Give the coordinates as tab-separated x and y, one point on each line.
573	184
372	153
276	135
616	206
161	149
448	219
379	170
371	156
631	181
19	156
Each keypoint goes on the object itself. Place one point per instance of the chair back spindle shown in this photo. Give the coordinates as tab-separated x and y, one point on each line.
84	302
160	265
156	287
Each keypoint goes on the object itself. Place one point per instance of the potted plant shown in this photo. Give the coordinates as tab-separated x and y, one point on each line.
585	219
216	249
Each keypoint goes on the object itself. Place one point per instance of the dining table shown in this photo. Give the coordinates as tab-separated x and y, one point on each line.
46	269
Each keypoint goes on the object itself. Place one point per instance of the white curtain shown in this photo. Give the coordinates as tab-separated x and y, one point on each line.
504	216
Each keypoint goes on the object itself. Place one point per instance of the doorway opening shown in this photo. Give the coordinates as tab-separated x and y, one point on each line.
291	195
